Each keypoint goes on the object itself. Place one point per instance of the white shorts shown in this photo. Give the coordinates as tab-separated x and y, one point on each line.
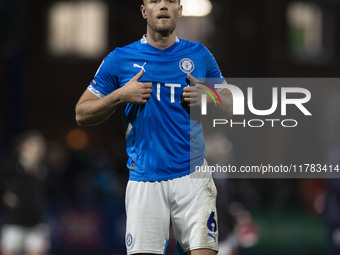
17	238
188	204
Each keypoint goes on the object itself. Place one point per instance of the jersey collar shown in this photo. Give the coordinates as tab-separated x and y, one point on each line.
144	41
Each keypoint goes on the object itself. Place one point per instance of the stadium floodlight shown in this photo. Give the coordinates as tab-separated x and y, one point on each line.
196	8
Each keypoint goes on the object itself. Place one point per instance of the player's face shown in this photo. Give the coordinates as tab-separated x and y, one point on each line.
162	15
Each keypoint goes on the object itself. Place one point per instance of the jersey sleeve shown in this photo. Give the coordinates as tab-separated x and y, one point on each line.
213	71
106	78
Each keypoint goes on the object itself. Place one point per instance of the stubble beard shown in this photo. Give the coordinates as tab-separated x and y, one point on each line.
163	29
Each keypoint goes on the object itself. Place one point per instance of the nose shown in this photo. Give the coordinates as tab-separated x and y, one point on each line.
163	5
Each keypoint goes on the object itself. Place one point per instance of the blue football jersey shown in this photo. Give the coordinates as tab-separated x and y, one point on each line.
158	142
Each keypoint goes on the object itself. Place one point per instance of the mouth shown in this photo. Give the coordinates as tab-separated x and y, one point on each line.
163	17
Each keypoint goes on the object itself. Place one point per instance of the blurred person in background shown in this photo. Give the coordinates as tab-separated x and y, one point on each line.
332	205
22	180
236	226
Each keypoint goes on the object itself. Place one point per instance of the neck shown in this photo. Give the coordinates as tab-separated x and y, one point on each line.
160	41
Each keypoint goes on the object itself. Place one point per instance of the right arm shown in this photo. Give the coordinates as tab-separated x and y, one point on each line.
92	110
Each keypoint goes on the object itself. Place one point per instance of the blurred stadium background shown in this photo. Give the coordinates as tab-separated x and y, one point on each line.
50	51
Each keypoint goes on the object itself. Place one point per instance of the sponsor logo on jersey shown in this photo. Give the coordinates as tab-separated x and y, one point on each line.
186	65
139	66
212	235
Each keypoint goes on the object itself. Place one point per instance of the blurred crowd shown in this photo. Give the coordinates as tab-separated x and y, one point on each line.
58	200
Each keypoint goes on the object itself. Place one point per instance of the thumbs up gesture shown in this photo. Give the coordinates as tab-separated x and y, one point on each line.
136	92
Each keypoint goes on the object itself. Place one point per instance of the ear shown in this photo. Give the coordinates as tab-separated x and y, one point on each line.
143	11
180	11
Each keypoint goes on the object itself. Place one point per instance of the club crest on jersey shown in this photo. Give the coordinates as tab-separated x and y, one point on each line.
187	65
129	240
